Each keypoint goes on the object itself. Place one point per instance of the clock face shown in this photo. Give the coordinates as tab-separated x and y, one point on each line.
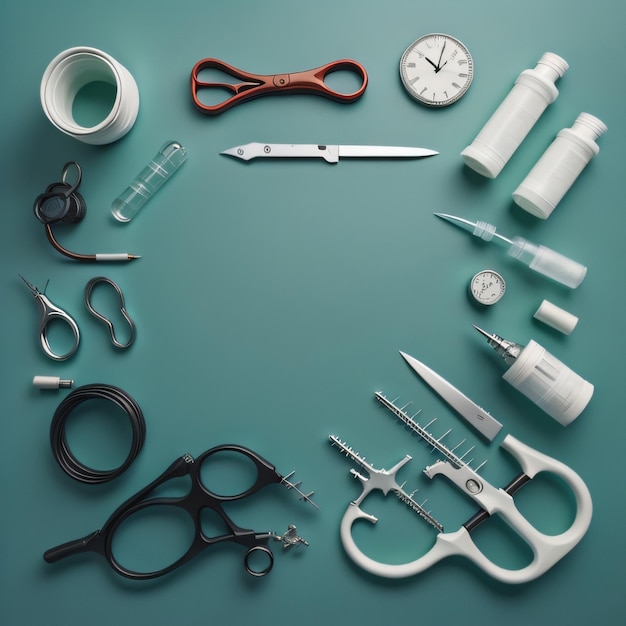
436	70
487	287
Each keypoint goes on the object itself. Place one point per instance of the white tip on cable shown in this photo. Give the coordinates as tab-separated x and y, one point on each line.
52	382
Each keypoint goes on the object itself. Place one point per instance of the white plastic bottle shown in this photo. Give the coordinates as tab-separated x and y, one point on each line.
505	130
559	166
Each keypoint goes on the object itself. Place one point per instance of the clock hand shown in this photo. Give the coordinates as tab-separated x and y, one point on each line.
439	66
435	66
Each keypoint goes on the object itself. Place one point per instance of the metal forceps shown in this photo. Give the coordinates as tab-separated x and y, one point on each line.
198	499
255	85
547	549
49	313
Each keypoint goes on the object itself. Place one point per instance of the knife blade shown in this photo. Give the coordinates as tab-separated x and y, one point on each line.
330	153
480	419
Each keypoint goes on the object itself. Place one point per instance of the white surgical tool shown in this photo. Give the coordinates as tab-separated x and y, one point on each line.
547	549
538	258
331	154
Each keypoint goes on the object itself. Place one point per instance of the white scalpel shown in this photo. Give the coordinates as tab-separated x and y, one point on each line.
331	154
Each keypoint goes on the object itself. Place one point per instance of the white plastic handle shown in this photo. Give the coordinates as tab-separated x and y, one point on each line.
547	549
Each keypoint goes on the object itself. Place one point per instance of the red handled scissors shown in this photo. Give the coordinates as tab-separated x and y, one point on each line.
256	85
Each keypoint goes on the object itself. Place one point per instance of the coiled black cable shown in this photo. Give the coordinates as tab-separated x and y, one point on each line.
58	440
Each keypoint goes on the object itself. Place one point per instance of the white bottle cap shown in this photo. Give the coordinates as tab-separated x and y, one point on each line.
549	383
551	66
556	317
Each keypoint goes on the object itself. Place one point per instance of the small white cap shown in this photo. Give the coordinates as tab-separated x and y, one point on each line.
556	317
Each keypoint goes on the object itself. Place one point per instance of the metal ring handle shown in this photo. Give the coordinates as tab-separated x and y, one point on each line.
43	334
266	569
108	323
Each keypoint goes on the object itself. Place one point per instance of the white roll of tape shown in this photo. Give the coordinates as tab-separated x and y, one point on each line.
72	70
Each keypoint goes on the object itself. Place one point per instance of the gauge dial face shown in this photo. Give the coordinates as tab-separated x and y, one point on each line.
487	287
436	70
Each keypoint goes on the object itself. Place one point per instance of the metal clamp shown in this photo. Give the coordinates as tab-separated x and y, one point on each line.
88	289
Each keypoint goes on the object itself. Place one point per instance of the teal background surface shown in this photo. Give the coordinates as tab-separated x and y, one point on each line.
271	300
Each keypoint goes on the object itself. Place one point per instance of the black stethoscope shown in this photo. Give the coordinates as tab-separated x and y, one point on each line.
61	203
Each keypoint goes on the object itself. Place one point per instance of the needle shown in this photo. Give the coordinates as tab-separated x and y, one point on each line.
538	258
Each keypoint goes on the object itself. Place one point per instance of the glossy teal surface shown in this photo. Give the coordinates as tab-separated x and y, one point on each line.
272	297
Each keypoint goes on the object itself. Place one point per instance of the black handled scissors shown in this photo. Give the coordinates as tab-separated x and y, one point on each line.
255	85
198	499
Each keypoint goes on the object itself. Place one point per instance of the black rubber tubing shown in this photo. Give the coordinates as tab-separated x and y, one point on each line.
58	440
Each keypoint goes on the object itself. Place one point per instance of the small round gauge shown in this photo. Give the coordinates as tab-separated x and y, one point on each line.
436	69
487	287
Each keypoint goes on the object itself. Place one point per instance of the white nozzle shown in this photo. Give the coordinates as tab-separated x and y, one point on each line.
51	382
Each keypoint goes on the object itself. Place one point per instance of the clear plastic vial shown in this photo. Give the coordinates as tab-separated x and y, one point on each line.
533	91
167	161
559	166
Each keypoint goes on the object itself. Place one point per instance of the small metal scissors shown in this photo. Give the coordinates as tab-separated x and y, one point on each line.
198	499
49	313
255	85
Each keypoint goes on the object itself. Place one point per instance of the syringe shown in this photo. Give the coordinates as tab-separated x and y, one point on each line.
539	258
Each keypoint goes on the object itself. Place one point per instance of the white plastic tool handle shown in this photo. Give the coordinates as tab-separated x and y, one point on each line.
547	549
284	150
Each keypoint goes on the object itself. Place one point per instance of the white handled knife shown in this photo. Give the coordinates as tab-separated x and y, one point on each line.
331	154
469	410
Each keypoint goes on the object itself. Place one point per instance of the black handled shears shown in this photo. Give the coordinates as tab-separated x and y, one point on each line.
258	560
